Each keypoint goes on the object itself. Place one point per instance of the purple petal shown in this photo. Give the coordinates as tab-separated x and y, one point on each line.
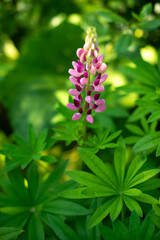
76	116
100	102
86	74
102	68
89	112
100	58
94	106
78	88
92	69
88	99
73	80
99	88
89	119
79	52
71	106
84	81
83	57
96	96
89	93
76	103
73	92
100	108
103	78
80	110
74	73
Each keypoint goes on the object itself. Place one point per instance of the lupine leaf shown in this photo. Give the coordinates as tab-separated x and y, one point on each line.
95	164
51	181
134	166
142	177
132	192
154	116
63	207
85	178
63	231
147	229
133	205
35	229
107	233
147	142
99	191
33	179
74	193
120	230
49	159
135	129
113	136
146	198
9	233
120	160
116	208
100	213
134	226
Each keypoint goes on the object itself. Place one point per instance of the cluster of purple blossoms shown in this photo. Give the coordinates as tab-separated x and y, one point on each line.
90	63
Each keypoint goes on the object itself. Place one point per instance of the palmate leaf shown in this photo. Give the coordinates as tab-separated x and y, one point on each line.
27	206
23	153
117	185
35	229
147	142
62	230
136	231
102	140
97	166
9	233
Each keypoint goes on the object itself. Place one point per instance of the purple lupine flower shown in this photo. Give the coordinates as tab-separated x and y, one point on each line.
89	63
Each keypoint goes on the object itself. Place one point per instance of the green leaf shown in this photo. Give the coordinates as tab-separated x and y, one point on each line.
157	236
142	177
150	184
63	231
74	194
132	192
100	213
150	25
120	230
158	151
134	226
154	116
63	207
113	136
147	142
123	43
50	181
107	233
120	160
33	181
35	229
156	209
134	166
99	191
9	233
40	141
116	208
144	124
111	16
85	178
49	159
135	129
146	198
96	165
146	9
147	229
133	205
132	139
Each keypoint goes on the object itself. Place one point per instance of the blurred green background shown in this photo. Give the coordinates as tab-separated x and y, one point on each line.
38	42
